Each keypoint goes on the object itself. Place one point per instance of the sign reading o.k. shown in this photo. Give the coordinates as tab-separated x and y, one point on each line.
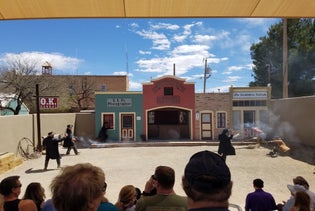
48	102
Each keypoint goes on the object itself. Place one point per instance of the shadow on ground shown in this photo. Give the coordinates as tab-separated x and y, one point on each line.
34	171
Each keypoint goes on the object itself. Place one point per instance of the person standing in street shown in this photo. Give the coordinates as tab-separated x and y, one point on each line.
225	145
69	141
52	149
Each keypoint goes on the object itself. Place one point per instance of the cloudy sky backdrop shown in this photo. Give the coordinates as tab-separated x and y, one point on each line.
142	48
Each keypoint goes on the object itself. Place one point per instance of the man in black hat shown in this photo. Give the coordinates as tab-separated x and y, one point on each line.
52	149
207	182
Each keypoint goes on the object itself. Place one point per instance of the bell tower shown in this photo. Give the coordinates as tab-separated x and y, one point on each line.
46	69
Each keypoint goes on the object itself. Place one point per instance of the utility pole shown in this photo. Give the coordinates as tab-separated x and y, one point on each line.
269	74
39	139
285	60
204	77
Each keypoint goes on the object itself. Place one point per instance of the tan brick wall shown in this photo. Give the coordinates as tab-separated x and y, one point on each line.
94	83
213	102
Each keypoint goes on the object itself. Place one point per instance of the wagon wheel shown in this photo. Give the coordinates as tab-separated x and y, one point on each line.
26	148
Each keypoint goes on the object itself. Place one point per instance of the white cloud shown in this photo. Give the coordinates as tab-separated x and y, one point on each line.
59	62
231	79
165	26
122	73
160	41
204	39
261	22
134	25
187	31
135	85
144	52
191	49
235	68
179	38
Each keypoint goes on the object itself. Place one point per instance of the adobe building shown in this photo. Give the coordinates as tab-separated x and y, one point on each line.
213	114
169	109
250	109
77	92
120	113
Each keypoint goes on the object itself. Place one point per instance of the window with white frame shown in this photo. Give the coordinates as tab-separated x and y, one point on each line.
108	120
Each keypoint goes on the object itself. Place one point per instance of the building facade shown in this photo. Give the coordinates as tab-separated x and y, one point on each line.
121	115
169	109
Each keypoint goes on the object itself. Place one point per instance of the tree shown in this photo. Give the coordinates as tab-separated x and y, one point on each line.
267	58
18	76
82	92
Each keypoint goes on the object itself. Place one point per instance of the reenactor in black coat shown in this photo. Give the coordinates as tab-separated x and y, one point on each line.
225	145
52	149
69	141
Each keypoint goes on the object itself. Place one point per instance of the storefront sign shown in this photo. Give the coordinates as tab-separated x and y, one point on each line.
260	95
48	102
119	102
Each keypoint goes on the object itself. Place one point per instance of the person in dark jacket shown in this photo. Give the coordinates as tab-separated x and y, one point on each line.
68	142
225	145
52	150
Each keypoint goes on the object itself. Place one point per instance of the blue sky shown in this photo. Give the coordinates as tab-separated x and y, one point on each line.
142	48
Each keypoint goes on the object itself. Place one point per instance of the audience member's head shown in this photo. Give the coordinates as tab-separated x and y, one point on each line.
127	197
295	188
302	200
258	183
79	187
35	192
207	178
165	176
11	186
301	181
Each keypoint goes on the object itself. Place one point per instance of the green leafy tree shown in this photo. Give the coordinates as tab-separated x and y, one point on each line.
267	58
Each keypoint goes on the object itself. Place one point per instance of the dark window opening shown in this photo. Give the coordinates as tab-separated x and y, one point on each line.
168	91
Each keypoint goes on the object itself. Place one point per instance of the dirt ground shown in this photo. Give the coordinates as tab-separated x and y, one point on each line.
134	165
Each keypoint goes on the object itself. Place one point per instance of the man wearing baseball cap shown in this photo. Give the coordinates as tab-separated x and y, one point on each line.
207	182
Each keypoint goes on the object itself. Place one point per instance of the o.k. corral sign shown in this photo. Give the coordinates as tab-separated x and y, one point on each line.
48	102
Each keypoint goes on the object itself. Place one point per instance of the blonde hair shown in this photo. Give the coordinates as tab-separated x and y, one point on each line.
126	196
